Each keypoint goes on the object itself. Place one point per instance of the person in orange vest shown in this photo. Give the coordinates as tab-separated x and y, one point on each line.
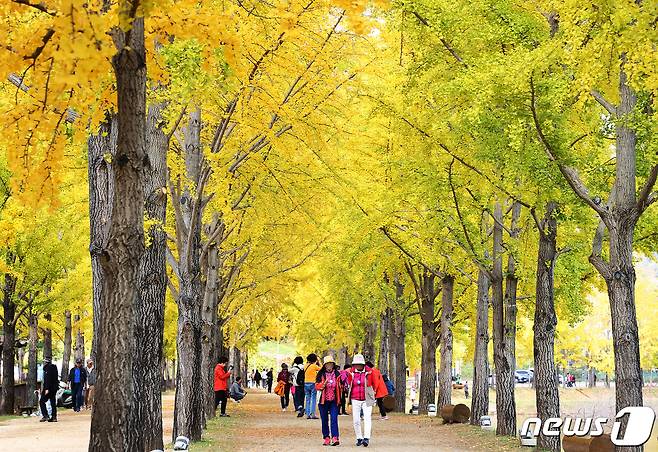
221	384
381	390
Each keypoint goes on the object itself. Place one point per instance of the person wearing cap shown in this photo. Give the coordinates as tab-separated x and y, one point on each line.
362	397
91	382
328	384
77	381
49	389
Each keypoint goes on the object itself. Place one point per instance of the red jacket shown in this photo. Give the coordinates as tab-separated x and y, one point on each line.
221	378
370	379
379	385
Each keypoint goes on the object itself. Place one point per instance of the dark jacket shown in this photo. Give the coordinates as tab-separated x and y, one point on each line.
50	377
83	375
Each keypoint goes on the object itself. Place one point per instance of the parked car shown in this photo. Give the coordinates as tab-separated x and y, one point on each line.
522	376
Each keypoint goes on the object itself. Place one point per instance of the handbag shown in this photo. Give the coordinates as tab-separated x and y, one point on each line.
280	389
370	396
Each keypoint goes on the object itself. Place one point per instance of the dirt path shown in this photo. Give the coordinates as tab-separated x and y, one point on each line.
70	433
257	424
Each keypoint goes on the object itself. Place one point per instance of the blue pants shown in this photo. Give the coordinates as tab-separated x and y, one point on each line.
329	410
78	399
311	397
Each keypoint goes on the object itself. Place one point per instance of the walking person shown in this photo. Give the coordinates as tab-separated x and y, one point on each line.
297	377
327	382
220	384
345	383
257	378
310	374
270	379
283	381
49	389
91	383
466	389
381	390
77	382
362	396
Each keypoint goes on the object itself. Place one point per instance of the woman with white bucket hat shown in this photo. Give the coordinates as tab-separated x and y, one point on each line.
362	397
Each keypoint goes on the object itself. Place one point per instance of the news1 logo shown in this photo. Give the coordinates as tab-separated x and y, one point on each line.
638	428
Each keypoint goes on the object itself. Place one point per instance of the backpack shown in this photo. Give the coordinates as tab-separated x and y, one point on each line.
300	376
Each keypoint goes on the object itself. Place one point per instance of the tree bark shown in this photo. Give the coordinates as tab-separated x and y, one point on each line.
480	388
209	331
32	359
445	368
545	324
9	340
505	405
101	149
79	348
120	259
384	333
590	377
146	415
369	340
188	412
400	375
427	291
66	355
47	337
398	337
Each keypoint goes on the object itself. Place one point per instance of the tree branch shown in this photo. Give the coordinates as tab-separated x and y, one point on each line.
570	174
604	103
646	197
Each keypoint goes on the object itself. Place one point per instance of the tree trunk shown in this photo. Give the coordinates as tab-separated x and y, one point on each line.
591	372
120	259
511	283
47	337
101	149
66	355
384	333
445	369
369	341
400	375
220	349
146	415
505	405
20	363
236	362
188	412
9	340
209	332
428	294
480	388
32	359
545	324
79	352
625	336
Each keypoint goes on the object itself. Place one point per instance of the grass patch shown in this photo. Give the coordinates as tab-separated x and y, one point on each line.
219	435
8	417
